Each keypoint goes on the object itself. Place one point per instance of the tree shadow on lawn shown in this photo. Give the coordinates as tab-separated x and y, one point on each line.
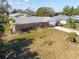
20	50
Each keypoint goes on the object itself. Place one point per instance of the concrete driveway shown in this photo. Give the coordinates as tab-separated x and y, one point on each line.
66	29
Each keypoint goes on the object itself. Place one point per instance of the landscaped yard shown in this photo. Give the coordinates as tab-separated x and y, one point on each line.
50	44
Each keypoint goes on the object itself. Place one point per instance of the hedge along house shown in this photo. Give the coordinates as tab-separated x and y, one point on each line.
24	23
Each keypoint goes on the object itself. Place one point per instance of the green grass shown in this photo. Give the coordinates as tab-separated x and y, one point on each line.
33	34
68	26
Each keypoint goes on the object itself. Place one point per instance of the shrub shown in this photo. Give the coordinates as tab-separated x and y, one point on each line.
12	19
57	22
71	22
72	37
1	30
72	34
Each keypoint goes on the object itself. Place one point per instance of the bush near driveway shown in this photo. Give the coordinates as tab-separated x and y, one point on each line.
72	37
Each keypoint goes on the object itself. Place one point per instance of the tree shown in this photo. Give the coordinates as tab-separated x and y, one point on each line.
77	11
45	11
66	11
3	18
7	8
12	19
72	11
69	11
14	11
57	13
18	11
30	12
4	7
2	43
6	20
1	31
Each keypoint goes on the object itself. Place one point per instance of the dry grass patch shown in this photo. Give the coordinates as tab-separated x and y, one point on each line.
58	49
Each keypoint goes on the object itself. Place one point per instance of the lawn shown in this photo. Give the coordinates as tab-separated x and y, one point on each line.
50	44
67	26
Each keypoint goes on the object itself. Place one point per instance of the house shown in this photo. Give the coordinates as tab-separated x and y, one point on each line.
76	17
24	23
63	19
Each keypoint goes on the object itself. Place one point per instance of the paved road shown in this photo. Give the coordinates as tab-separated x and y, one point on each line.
66	29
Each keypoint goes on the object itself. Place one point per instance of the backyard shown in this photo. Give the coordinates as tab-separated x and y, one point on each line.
45	30
49	44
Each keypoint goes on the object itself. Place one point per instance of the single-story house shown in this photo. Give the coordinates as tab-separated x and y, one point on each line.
76	17
62	19
24	22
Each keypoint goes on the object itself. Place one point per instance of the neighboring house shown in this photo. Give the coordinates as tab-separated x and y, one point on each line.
76	17
62	19
24	22
18	15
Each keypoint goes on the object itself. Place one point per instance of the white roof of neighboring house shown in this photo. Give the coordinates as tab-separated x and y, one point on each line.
76	17
33	19
60	17
26	20
17	14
